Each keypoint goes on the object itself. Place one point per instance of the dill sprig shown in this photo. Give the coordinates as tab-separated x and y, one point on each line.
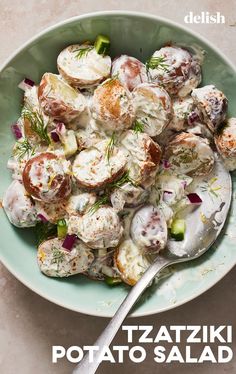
23	148
121	181
45	231
104	199
156	63
97	205
138	126
111	79
57	257
83	51
110	147
37	124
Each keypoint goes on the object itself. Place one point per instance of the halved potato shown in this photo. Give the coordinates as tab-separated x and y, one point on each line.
112	106
148	229
175	69
18	206
143	157
131	262
58	99
153	108
190	154
83	69
92	168
47	177
130	71
100	229
225	141
212	105
56	261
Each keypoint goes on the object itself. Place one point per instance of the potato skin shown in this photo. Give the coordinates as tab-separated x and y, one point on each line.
60	186
180	72
55	105
112	106
130	71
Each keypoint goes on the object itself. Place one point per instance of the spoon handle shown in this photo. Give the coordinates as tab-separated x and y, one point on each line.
106	337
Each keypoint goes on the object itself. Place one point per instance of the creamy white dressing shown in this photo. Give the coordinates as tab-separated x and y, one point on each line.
93	116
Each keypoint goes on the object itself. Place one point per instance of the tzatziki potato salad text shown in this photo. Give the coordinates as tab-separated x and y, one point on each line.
106	154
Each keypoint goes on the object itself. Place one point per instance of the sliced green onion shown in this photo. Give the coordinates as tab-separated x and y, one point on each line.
61	228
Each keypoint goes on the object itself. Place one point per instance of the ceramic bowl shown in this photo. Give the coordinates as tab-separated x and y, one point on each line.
137	35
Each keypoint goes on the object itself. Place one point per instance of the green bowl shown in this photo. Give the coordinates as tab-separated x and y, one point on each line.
138	35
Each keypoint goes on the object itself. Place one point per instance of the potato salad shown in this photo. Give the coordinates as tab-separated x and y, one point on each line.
106	155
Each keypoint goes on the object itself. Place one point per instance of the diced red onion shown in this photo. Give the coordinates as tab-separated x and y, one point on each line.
166	164
193	117
16	130
194	198
26	84
167	195
60	128
69	241
42	217
55	136
184	184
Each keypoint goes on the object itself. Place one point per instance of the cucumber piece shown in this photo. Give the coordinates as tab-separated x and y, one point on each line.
102	44
69	143
61	228
178	229
112	281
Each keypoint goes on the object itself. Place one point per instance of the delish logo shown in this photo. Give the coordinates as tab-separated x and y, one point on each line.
204	17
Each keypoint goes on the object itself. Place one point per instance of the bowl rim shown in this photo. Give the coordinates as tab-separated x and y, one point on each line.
134	14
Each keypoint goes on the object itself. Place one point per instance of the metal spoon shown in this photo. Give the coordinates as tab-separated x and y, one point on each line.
203	227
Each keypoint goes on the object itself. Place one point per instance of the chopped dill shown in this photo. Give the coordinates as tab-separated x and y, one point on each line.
104	199
110	147
22	149
83	51
97	205
112	79
58	257
121	181
37	124
44	231
138	126
156	63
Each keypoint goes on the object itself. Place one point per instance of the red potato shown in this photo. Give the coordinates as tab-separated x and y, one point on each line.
176	70
153	108
143	157
130	71
112	106
148	229
56	261
46	177
190	154
225	140
212	105
58	99
18	206
92	169
130	261
83	71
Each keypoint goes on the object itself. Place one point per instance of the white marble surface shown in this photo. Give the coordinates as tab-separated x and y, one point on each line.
30	325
